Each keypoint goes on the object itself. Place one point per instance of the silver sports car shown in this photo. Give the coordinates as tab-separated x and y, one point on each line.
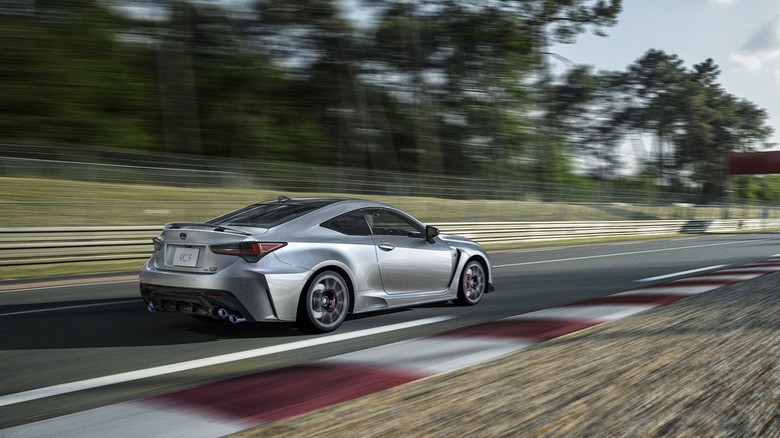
309	260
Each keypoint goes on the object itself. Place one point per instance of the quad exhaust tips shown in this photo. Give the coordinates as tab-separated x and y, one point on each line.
221	312
225	314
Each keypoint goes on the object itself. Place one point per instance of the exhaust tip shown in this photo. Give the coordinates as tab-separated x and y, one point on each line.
223	313
235	319
150	307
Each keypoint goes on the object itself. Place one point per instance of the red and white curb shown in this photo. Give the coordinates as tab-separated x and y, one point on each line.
229	406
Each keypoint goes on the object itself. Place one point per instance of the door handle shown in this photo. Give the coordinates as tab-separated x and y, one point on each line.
386	247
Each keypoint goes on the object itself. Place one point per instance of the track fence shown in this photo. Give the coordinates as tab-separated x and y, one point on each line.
48	245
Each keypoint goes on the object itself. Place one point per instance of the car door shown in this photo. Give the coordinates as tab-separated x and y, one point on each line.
359	248
407	261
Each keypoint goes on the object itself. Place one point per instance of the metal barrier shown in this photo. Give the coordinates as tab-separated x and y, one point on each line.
487	233
32	246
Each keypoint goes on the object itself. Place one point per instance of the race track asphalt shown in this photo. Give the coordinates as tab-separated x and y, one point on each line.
704	366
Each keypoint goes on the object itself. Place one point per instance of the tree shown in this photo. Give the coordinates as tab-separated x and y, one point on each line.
461	90
466	96
558	131
441	86
695	122
65	78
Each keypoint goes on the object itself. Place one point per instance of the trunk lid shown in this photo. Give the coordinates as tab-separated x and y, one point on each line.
186	247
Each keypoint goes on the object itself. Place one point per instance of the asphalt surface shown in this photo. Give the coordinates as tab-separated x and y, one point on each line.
58	333
705	366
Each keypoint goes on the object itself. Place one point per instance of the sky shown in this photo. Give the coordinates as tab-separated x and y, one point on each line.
741	36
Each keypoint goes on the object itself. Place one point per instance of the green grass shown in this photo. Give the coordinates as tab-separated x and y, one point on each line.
66	269
30	202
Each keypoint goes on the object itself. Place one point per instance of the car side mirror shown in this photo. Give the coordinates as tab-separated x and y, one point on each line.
430	233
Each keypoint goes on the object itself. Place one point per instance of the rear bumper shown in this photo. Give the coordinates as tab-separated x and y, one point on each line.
192	301
247	293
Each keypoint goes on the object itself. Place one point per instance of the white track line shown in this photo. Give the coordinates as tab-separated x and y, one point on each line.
679	274
430	356
609	312
715	278
669	290
129	420
81	306
620	254
97	382
22	288
754	268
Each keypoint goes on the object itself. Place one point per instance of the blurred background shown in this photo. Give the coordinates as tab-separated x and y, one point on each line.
122	112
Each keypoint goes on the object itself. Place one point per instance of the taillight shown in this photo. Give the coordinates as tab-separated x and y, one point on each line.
158	244
249	251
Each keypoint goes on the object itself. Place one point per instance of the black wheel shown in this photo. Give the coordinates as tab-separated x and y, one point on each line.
473	283
324	304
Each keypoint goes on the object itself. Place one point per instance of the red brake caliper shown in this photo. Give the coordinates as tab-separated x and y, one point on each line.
330	300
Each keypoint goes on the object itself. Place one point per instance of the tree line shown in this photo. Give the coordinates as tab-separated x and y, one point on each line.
450	87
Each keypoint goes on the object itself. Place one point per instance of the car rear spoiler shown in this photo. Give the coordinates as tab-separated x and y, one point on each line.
179	225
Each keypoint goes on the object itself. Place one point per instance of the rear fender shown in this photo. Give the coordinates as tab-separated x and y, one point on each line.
358	262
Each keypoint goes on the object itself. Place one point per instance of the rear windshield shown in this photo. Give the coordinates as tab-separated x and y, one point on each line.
268	214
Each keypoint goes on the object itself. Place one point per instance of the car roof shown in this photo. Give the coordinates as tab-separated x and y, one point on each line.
326	208
324	201
315	202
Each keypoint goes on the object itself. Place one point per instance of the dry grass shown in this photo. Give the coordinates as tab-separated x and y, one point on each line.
50	202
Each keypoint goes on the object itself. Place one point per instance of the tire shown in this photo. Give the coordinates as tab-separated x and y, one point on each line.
473	283
324	304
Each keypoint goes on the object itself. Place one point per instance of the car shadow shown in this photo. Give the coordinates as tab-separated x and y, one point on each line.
375	313
119	323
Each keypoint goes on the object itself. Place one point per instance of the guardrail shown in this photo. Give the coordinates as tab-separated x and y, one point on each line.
33	246
486	233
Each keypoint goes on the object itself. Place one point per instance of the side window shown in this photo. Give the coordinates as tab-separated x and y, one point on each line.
353	224
387	223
